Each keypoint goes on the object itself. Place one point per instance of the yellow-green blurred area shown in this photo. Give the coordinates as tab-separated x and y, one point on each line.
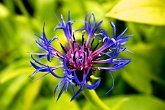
138	86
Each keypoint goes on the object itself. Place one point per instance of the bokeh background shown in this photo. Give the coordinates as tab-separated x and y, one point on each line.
138	86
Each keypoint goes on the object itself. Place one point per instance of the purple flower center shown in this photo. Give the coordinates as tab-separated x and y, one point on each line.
79	58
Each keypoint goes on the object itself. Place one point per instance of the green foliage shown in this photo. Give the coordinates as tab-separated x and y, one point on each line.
11	91
50	103
31	92
135	102
141	11
144	75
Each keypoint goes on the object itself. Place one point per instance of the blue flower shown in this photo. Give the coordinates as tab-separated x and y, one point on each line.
79	59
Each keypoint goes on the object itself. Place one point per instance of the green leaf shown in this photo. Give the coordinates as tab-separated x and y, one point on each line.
147	33
131	102
140	11
13	71
51	104
137	102
45	12
12	90
119	104
63	103
137	80
4	12
26	34
138	73
144	68
31	93
96	9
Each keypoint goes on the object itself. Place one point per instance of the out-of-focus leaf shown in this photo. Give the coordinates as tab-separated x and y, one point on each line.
147	33
16	69
64	100
141	11
137	80
41	104
119	104
10	5
51	104
96	9
25	35
45	12
78	5
133	102
109	4
4	12
143	68
10	93
11	73
31	93
136	76
137	102
138	72
90	106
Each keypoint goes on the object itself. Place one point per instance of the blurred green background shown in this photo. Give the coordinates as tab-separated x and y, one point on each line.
138	86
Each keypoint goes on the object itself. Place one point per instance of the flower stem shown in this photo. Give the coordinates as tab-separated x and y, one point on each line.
95	100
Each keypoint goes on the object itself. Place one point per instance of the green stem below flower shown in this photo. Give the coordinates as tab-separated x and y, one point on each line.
95	100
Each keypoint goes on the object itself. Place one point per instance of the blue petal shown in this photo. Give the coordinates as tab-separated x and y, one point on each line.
55	90
114	29
54	73
67	27
113	83
104	33
40	37
64	63
70	25
43	69
76	79
48	57
41	46
42	76
84	77
120	60
72	86
34	65
117	64
58	27
54	38
39	70
92	26
97	26
123	32
77	93
37	61
120	64
42	56
87	25
43	33
94	86
64	86
63	21
36	71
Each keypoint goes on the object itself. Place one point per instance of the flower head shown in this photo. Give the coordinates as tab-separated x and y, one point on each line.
79	59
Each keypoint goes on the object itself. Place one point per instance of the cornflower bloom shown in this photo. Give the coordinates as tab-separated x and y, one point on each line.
80	60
